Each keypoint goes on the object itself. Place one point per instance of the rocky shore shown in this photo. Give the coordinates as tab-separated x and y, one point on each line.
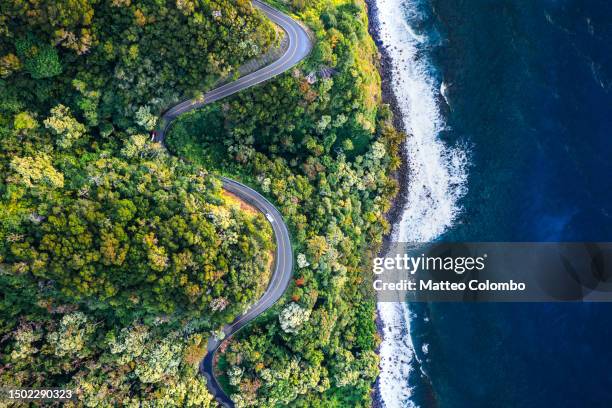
388	94
401	175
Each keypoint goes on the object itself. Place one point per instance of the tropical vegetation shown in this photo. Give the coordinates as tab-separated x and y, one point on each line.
119	259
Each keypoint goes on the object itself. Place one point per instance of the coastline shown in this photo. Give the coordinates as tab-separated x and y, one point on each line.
432	178
401	175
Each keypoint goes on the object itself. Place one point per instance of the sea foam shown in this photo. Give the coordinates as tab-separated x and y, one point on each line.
437	179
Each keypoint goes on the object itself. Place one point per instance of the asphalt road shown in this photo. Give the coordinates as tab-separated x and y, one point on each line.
299	46
281	276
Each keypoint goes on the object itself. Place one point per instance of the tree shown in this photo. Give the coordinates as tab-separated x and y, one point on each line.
40	60
103	222
23	122
145	118
9	64
71	339
292	317
65	126
36	171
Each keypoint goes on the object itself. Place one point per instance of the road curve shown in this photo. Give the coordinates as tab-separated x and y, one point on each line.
281	276
299	46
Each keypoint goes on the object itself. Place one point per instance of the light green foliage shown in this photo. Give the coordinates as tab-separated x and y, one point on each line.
318	142
293	317
130	343
302	262
234	375
36	171
162	360
67	129
145	119
136	145
72	336
117	261
88	102
24	121
25	337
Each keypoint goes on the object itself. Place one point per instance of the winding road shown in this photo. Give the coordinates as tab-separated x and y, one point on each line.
299	46
281	276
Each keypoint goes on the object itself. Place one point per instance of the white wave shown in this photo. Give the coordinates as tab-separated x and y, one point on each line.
437	180
396	355
443	89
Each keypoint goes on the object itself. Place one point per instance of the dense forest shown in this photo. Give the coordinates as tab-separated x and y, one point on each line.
321	145
119	259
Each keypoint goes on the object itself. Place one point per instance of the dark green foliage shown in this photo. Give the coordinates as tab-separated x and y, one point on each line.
197	136
117	261
127	55
40	60
319	143
58	345
144	237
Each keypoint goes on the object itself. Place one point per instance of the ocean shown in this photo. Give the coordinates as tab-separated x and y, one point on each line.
509	109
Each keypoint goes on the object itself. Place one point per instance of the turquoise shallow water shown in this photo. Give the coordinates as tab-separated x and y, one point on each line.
528	89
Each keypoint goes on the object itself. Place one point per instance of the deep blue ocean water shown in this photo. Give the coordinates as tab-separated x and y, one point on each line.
529	90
